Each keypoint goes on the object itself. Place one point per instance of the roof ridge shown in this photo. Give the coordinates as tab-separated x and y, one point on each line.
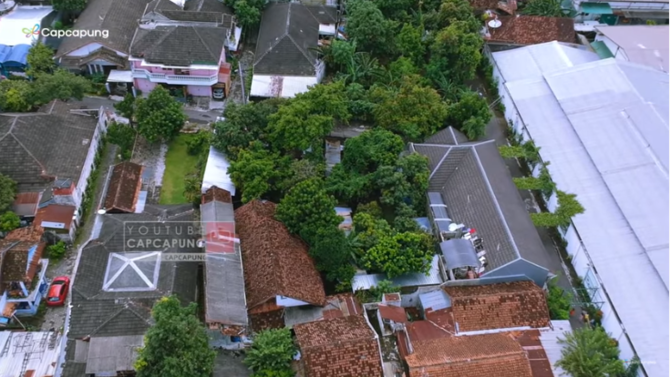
205	44
278	38
303	51
439	164
30	154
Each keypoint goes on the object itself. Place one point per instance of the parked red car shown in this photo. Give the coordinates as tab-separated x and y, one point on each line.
58	291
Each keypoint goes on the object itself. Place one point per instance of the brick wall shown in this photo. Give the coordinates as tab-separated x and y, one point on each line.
359	358
267	320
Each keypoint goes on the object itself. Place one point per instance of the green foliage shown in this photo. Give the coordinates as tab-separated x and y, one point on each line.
61	85
176	345
256	171
332	254
383	287
124	137
400	68
274	373
16	96
543	183
198	143
57	250
242	125
368	27
9	221
470	105
272	350
511	151
358	103
126	108
7	192
452	11
589	352
559	301
69	5
407	182
400	253
303	122
247	12
413	111
306	208
159	116
404	220
301	170
455	53
568	207
370	150
546	8
40	60
410	44
371	208
341	53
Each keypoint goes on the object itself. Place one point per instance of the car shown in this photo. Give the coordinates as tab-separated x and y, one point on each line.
58	291
218	93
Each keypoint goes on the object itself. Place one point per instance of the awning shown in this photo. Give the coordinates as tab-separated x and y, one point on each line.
120	76
459	253
602	50
596	8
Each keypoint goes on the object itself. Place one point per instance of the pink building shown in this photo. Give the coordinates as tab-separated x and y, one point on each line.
183	50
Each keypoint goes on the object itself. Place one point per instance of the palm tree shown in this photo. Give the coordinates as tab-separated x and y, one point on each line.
590	352
362	69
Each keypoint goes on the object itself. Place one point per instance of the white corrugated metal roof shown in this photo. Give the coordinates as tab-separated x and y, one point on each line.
280	86
598	125
642	44
41	348
534	60
216	172
549	339
22	17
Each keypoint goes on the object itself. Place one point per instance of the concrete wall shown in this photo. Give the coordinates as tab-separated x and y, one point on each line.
100	130
144	85
200	91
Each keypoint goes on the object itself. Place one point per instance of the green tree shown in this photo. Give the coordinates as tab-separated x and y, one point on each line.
474	128
559	301
368	232
40	60
176	345
400	68
159	116
413	111
16	96
590	352
301	170
416	172
126	108
305	121
368	27
400	253
243	124
546	8
61	85
256	171
9	221
362	69
272	350
69	5
358	103
341	53
404	220
306	208
7	192
57	250
122	136
383	287
248	12
455	53
370	150
452	11
332	254
410	44
470	105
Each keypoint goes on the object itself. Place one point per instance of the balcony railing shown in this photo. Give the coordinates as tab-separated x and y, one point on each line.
175	79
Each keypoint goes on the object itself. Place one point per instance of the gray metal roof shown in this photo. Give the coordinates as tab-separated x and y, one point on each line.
459	253
604	127
435	300
479	193
216	172
225	299
111	354
433	277
641	44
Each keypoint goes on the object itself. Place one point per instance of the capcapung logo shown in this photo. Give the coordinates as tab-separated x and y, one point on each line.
46	32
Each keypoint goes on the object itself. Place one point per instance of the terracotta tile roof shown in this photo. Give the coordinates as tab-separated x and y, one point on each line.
526	30
499	306
278	263
31	233
531	344
443	318
15	266
425	330
124	187
469	356
9	309
55	213
392	312
26	203
341	305
484	4
345	346
218	194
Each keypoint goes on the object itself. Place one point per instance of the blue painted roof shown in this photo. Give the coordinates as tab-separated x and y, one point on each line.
4	52
17	56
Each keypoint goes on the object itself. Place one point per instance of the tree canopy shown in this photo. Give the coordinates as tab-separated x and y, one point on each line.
367	25
9	221
7	192
176	345
69	5
271	353
40	60
455	52
61	85
546	8
256	171
247	12
469	114
590	352
159	116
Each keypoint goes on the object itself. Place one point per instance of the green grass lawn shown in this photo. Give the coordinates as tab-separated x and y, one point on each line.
178	164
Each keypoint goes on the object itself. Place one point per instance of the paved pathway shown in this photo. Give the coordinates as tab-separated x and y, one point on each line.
194	116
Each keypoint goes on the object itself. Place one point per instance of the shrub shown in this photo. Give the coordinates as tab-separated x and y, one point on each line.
559	301
57	250
200	142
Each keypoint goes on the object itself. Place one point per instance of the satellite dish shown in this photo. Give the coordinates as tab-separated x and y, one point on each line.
494	24
101	211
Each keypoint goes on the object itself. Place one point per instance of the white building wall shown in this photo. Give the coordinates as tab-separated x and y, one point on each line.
100	130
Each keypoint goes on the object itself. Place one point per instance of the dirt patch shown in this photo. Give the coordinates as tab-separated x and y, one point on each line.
152	157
